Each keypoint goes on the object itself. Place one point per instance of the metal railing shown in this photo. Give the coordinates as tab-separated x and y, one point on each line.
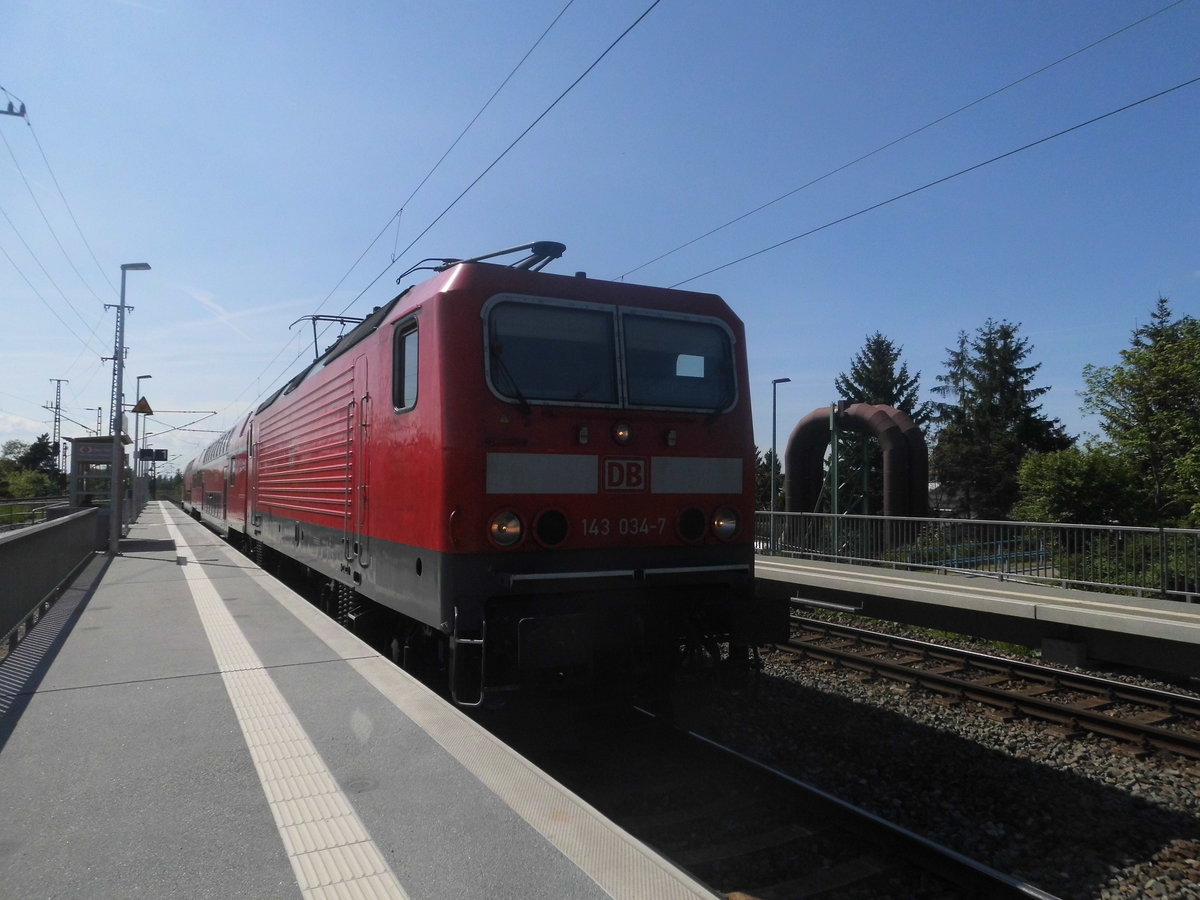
20	513
1162	562
35	564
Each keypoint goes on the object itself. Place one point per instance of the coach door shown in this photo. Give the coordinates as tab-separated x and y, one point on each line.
250	478
358	422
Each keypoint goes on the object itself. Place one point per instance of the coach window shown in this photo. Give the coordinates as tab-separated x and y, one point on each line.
404	381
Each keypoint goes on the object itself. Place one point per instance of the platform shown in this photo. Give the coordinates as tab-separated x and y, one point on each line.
182	725
1070	626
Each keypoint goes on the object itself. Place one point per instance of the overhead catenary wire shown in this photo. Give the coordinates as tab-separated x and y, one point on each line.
528	129
477	179
33	255
904	137
483	109
38	293
942	180
87	348
46	219
396	215
70	212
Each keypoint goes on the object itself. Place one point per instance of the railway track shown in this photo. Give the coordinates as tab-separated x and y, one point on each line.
1146	719
747	830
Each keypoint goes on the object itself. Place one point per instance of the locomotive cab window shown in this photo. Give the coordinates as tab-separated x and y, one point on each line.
548	352
564	352
404	378
678	363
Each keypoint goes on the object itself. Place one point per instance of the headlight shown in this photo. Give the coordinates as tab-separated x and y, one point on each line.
506	528
550	528
725	523
691	524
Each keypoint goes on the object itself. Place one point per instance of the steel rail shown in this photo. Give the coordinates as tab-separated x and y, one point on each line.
1086	715
981	880
1116	690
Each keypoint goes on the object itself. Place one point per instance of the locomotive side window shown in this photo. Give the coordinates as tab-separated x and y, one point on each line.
404	378
539	351
678	363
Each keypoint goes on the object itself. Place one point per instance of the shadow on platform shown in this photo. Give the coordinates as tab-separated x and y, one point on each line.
24	668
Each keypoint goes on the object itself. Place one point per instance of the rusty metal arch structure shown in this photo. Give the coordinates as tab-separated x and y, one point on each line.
905	457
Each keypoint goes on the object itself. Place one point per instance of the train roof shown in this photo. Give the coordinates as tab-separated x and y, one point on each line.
457	273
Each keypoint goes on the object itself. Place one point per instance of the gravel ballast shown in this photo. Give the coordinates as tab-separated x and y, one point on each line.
1080	817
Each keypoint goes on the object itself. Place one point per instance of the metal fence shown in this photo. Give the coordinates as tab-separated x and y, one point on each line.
1162	562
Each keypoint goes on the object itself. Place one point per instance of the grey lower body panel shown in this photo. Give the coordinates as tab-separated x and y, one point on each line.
538	609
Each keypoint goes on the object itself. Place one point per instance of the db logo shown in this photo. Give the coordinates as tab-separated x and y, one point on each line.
625	475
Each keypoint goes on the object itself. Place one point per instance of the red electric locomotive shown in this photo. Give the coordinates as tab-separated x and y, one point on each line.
521	472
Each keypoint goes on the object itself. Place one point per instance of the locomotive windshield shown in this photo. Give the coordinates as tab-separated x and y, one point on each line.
677	363
560	352
543	352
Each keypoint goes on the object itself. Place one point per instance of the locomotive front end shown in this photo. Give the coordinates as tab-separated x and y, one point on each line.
614	465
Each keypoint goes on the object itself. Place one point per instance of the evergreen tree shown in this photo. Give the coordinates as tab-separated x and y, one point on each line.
877	375
989	421
762	480
1149	407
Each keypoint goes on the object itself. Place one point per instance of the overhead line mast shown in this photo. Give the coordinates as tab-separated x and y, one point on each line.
60	451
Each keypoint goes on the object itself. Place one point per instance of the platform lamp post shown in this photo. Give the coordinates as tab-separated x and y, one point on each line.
117	494
775	383
137	466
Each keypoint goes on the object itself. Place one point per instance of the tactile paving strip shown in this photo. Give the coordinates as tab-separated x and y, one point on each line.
330	850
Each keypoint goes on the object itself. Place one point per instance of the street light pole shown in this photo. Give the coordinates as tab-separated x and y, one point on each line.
775	383
117	494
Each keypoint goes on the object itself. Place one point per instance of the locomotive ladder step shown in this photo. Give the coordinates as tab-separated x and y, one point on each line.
461	665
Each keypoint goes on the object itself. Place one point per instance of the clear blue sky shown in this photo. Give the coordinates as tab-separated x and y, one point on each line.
251	151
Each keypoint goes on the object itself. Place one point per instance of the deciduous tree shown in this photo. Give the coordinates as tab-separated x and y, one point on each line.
1082	486
1149	409
40	456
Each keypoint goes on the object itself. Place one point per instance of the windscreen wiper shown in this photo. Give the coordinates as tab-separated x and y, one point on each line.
498	355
